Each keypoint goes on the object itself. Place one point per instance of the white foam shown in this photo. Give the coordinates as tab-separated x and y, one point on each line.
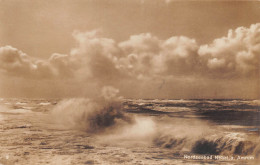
19	111
6	110
45	103
172	109
20	103
257	102
27	108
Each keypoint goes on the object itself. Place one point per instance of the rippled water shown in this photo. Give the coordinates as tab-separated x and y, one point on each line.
136	132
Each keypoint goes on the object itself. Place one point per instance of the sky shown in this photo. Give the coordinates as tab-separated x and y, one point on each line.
145	49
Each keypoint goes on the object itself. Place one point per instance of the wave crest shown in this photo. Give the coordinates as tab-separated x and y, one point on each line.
89	115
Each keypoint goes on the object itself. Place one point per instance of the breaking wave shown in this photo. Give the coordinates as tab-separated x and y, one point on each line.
89	115
212	143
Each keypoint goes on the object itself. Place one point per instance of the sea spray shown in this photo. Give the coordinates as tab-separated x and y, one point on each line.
139	132
91	114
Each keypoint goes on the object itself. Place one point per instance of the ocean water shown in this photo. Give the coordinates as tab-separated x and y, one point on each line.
128	131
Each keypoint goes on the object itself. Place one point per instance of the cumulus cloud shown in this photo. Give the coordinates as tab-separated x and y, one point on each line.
63	64
142	58
147	55
236	54
139	53
14	61
180	55
97	56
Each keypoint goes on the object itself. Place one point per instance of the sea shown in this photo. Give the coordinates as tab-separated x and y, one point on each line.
83	131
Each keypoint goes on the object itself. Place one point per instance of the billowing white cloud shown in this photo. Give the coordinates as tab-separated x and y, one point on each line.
142	43
236	54
215	63
97	56
141	59
180	55
63	65
147	55
14	61
139	53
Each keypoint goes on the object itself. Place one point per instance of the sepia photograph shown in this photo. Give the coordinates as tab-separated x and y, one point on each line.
129	82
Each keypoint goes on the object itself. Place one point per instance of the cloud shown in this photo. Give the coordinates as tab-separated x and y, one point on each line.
142	43
143	55
139	53
147	55
97	56
180	55
15	62
63	65
143	61
236	54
